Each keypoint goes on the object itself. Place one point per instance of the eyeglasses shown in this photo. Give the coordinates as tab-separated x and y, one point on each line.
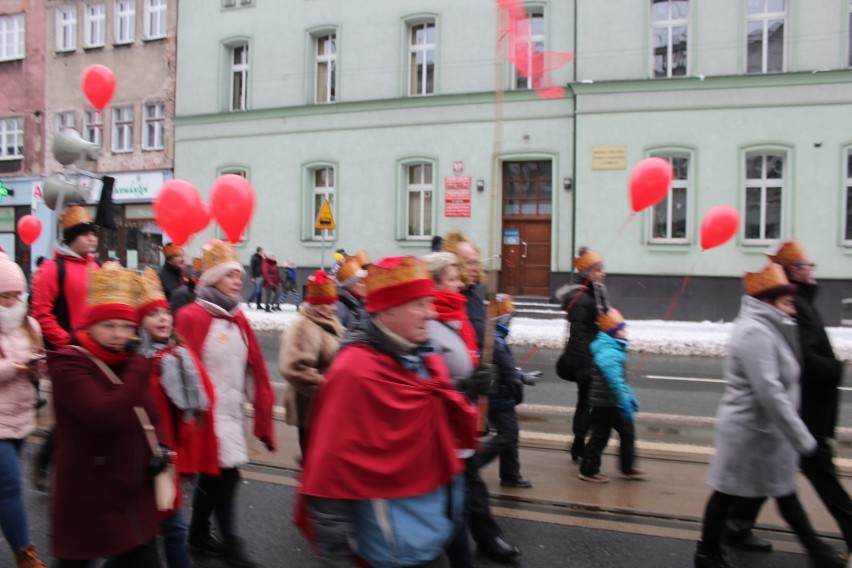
810	265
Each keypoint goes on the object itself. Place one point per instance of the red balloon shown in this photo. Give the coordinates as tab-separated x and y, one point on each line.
718	226
232	203
98	85
29	229
201	217
649	183
174	209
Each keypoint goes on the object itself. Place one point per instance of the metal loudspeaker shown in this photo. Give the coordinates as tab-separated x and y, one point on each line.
69	146
55	186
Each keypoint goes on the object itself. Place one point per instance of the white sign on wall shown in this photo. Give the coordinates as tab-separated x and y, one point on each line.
134	186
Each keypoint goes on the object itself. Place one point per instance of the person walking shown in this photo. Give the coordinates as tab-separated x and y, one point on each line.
384	482
184	396
256	269
21	347
308	346
173	272
351	291
759	434
583	302
820	380
271	283
216	329
104	465
612	402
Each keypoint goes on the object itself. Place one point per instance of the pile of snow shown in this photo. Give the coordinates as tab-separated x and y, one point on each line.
696	339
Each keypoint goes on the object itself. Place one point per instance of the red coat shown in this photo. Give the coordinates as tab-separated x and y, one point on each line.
193	322
102	497
46	289
271	274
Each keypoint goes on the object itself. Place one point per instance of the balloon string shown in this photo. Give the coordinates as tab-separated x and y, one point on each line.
536	348
623	228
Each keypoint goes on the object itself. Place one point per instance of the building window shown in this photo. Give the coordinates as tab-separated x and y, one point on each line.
66	28
122	129
527	189
234	3
125	21
764	192
325	68
421	55
95	24
12	37
531	28
93	126
155	19
669	218
323	188
239	77
12	138
420	192
765	39
154	117
669	27
65	120
847	230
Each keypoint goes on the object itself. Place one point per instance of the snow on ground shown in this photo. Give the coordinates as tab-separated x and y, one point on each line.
696	339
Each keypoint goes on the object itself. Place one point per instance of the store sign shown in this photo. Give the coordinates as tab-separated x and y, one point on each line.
457	196
136	186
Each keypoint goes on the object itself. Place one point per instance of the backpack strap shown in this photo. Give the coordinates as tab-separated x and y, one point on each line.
60	306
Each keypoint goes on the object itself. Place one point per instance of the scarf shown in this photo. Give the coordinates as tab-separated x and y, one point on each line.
452	307
111	358
179	376
216	297
13	316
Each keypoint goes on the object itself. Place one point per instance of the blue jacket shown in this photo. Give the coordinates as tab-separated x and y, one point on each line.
510	377
609	385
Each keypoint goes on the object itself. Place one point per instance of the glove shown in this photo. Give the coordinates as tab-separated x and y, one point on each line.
158	463
483	380
531	378
634	404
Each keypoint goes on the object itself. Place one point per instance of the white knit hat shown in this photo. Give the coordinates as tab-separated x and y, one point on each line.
11	276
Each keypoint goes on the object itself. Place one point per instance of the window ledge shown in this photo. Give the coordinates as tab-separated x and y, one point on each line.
11	158
68	50
123	43
419	243
122	151
152	149
156	38
668	246
93	47
310	243
21	58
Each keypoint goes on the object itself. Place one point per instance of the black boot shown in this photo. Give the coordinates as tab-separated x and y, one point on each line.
235	555
824	556
706	557
268	309
201	541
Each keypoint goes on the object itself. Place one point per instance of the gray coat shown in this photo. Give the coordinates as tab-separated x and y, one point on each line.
448	343
759	434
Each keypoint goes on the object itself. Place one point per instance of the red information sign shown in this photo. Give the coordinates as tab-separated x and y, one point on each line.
457	196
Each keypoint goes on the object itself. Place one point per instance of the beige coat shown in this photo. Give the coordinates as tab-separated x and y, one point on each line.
308	346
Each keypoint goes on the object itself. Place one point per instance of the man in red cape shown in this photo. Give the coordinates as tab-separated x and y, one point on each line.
383	471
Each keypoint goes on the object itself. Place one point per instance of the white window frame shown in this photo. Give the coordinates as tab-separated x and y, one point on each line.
94	22
685	184
11	138
424	48
537	43
426	189
12	37
156	19
122	129
847	198
93	126
153	125
325	65
669	24
66	28
65	119
767	17
124	22
764	183
317	190
241	70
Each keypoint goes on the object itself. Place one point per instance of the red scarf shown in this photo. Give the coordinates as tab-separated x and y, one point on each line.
452	307
111	358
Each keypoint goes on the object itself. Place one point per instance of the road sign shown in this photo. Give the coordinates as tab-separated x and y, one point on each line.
325	220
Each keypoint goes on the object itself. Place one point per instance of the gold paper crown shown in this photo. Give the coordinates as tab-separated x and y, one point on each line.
349	269
153	287
363	258
398	270
788	253
772	276
75	215
612	319
196	264
587	260
113	284
503	304
321	288
215	252
171	250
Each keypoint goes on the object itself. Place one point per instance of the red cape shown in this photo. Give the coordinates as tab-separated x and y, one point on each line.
193	323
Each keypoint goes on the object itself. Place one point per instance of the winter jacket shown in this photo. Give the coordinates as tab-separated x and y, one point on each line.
821	371
583	302
46	290
271	274
350	309
759	434
256	266
172	278
609	384
444	336
17	395
511	379
477	311
308	346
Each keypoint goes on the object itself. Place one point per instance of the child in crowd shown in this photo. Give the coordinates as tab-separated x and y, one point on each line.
613	405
